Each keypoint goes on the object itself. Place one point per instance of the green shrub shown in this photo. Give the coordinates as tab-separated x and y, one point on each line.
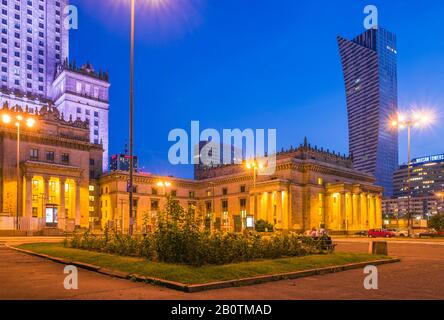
263	226
437	222
180	237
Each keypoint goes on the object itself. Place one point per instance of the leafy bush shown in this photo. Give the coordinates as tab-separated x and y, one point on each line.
437	222
180	237
263	226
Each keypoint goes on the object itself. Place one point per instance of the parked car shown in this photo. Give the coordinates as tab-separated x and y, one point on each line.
380	233
399	233
431	233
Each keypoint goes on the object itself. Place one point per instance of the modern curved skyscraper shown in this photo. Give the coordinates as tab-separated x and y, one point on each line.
369	64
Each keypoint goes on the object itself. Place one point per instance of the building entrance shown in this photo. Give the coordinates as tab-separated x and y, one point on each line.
51	216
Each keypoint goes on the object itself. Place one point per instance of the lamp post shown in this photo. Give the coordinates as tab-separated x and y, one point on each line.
131	123
152	4
164	185
18	121
418	120
255	166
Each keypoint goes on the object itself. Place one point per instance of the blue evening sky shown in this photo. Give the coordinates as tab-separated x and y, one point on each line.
252	64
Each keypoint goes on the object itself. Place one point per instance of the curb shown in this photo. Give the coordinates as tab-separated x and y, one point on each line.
90	267
212	285
285	276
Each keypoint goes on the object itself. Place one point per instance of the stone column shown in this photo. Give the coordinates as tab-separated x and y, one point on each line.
348	212
327	208
270	208
371	212
251	203
366	221
28	200
77	202
291	219
45	198
342	212
354	213
62	213
358	211
45	191
279	209
285	211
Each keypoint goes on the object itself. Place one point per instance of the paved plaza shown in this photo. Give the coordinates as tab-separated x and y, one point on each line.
418	276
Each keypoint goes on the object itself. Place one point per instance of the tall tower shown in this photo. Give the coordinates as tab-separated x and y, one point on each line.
82	93
369	64
33	42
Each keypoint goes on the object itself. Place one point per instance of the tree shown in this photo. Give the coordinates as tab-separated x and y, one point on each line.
437	222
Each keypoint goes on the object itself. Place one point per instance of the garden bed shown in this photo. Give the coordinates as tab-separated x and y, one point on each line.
189	275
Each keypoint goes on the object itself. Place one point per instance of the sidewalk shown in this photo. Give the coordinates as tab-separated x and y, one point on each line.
418	276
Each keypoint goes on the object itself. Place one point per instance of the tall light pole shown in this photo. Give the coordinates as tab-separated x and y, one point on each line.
414	119
255	166
18	121
164	185
131	124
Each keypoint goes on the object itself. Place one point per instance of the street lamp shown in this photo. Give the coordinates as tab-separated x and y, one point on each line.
131	124
164	185
409	121
255	166
153	4
18	121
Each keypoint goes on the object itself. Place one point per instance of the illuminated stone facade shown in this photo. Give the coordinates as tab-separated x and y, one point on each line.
59	169
310	188
62	187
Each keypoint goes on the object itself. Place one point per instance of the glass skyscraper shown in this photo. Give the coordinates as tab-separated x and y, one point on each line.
369	64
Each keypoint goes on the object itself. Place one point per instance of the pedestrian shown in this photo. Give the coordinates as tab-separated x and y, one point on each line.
314	233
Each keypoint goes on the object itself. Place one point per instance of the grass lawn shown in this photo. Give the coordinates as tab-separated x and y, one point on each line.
198	275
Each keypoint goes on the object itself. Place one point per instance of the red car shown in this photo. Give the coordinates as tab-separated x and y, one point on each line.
380	233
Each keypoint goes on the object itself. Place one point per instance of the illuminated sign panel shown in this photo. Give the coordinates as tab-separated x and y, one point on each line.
439	157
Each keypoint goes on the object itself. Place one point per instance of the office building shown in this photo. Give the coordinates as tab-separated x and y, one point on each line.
424	206
35	71
369	64
33	42
426	177
426	188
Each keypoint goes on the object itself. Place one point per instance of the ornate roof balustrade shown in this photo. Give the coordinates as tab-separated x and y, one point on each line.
51	122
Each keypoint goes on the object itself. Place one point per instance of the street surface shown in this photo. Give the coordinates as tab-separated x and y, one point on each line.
419	276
